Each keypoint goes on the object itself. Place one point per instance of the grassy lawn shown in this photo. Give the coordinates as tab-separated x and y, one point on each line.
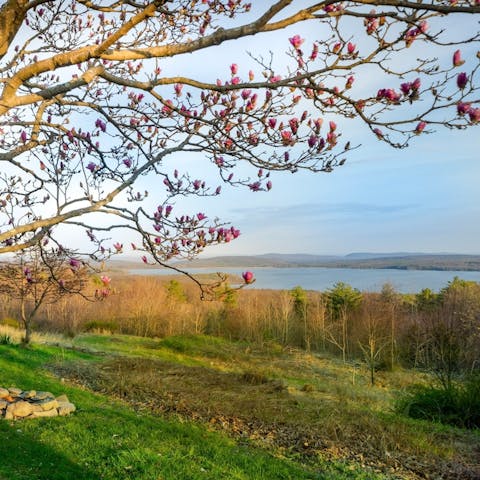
207	408
106	439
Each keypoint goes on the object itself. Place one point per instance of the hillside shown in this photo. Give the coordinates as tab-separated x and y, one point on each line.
206	408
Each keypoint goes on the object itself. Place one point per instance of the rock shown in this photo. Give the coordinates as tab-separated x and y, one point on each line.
46	413
43	395
65	408
15	403
28	394
48	404
20	408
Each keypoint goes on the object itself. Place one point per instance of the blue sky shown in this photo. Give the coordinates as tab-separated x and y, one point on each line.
425	198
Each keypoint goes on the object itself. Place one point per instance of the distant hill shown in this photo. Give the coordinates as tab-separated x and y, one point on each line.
398	260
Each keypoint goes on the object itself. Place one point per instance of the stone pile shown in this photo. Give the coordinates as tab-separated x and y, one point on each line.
16	403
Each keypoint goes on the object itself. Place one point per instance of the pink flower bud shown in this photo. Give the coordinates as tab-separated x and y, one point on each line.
457	59
337	47
420	127
463	108
247	277
474	114
234	68
462	80
178	89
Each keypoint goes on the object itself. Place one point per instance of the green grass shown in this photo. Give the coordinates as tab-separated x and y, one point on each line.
107	439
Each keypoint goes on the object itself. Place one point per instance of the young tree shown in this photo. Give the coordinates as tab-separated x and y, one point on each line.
86	111
342	300
39	277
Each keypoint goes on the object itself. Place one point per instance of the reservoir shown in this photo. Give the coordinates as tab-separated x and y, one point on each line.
320	278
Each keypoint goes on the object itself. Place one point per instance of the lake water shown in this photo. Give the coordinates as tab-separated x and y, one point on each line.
316	278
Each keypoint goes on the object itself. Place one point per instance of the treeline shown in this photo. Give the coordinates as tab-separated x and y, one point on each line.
440	331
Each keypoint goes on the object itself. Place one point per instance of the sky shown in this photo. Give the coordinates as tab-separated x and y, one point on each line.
425	198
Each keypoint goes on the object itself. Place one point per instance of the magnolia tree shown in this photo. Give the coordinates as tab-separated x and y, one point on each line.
40	277
86	110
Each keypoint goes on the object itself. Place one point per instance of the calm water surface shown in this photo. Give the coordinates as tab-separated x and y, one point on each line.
316	278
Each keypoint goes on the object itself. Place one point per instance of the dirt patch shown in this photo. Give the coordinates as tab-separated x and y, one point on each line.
263	410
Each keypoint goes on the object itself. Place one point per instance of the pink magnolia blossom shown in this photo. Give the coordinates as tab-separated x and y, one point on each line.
286	137
269	185
201	216
333	126
296	41
350	81
118	246
420	127
74	263
144	259
331	138
101	125
293	122
251	75
314	53
248	277
246	93
23	136
234	68
351	47
272	122
378	133
312	141
105	280
457	59
474	114
92	167
462	80
463	108
178	89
